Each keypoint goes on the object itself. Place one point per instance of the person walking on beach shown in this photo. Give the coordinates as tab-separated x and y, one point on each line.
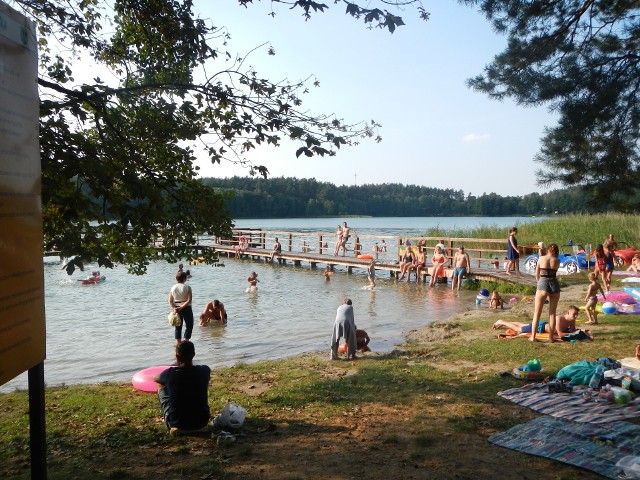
547	288
601	264
592	298
180	298
609	265
344	327
513	255
462	266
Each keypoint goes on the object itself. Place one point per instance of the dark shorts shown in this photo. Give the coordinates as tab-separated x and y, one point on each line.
549	285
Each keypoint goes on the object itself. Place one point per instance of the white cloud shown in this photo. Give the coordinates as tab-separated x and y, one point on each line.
475	137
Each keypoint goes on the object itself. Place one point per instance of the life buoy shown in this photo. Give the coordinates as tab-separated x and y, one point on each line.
365	257
143	380
524	375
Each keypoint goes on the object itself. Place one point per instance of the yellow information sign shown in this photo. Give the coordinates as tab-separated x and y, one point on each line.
22	319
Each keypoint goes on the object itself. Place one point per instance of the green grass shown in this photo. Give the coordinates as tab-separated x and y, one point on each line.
582	229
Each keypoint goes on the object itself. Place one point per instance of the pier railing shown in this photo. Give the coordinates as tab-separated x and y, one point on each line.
483	252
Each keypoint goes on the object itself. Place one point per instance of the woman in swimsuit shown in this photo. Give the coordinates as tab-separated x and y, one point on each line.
406	263
609	265
547	288
438	260
600	260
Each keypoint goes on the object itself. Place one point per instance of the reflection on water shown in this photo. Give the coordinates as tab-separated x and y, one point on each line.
108	331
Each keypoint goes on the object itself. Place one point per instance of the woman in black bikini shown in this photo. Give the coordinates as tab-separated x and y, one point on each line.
548	288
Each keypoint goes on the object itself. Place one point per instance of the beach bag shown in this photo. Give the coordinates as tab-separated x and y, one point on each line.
231	416
174	319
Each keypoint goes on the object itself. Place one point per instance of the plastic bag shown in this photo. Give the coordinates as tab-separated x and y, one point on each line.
231	416
174	319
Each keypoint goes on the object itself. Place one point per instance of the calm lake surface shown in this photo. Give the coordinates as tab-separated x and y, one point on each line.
109	331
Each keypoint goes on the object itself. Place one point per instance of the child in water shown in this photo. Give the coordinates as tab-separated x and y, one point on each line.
371	274
592	299
496	300
327	273
253	282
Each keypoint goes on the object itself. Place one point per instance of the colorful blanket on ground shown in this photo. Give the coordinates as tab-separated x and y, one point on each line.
593	447
571	406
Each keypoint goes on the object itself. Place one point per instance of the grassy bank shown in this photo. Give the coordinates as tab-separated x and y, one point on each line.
582	229
422	411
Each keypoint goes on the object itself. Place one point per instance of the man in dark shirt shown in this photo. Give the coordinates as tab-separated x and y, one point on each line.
183	391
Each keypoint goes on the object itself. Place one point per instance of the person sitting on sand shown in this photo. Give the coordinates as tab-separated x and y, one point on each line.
565	324
638	351
213	311
496	301
592	299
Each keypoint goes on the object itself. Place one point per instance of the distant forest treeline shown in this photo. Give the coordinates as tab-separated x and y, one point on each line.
282	197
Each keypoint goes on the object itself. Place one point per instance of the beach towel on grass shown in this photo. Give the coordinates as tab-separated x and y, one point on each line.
593	447
571	406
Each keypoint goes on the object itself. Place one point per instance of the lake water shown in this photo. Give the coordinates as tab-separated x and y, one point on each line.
107	332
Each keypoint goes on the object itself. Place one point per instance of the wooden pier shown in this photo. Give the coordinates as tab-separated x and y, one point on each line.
313	248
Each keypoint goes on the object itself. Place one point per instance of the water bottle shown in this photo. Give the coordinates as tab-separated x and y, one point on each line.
597	377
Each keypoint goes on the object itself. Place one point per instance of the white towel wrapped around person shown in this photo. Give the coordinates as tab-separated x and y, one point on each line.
231	416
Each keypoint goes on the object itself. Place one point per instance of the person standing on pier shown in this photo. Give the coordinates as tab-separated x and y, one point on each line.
346	232
338	241
277	249
344	327
462	266
513	255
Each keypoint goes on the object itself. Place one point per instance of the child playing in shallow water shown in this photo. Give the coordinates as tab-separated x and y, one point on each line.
496	300
592	299
327	273
253	282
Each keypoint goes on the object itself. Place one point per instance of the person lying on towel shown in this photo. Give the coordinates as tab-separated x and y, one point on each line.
566	324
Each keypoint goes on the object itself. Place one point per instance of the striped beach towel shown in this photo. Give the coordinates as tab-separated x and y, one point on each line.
571	406
593	447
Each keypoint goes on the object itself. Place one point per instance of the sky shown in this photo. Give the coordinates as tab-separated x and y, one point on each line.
436	131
